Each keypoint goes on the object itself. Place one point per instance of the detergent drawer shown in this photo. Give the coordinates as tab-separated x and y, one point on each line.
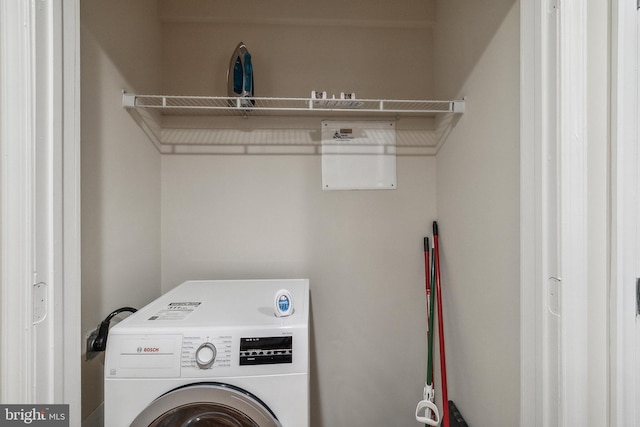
143	356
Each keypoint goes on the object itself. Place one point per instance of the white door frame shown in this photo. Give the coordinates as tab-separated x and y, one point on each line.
625	204
70	335
17	151
553	282
40	335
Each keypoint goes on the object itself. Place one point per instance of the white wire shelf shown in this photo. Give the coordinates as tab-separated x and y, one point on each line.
206	124
218	105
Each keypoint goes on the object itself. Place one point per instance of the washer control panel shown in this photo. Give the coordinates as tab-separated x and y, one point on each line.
206	352
266	350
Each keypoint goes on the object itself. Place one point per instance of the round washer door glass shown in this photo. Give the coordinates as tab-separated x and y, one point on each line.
207	405
203	414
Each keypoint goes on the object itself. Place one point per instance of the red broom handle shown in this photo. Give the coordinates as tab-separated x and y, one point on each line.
443	363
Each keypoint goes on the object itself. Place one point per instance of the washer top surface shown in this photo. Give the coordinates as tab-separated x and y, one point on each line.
224	303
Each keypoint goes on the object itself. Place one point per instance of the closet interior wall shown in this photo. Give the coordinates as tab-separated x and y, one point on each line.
151	221
478	202
120	175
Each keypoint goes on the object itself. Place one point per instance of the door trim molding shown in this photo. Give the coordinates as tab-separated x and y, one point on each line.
531	395
539	331
40	110
573	215
553	285
17	193
72	340
624	198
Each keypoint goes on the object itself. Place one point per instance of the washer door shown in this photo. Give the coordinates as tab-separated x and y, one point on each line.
207	405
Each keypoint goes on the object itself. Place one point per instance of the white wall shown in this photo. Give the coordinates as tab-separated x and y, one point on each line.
267	217
120	170
382	49
477	46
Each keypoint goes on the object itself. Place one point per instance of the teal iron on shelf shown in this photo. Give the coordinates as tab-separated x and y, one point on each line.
240	77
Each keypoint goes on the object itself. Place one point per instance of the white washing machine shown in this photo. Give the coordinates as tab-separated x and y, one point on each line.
212	353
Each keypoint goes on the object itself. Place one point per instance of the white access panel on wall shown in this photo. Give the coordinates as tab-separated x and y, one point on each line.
359	155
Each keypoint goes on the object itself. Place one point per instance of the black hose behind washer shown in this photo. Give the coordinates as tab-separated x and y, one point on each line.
100	341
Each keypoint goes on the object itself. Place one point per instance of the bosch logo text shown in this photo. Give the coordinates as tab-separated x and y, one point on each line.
148	349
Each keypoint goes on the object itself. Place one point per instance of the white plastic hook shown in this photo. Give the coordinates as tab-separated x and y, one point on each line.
431	415
428	406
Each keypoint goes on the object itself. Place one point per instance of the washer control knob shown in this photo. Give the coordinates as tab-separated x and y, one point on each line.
205	355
